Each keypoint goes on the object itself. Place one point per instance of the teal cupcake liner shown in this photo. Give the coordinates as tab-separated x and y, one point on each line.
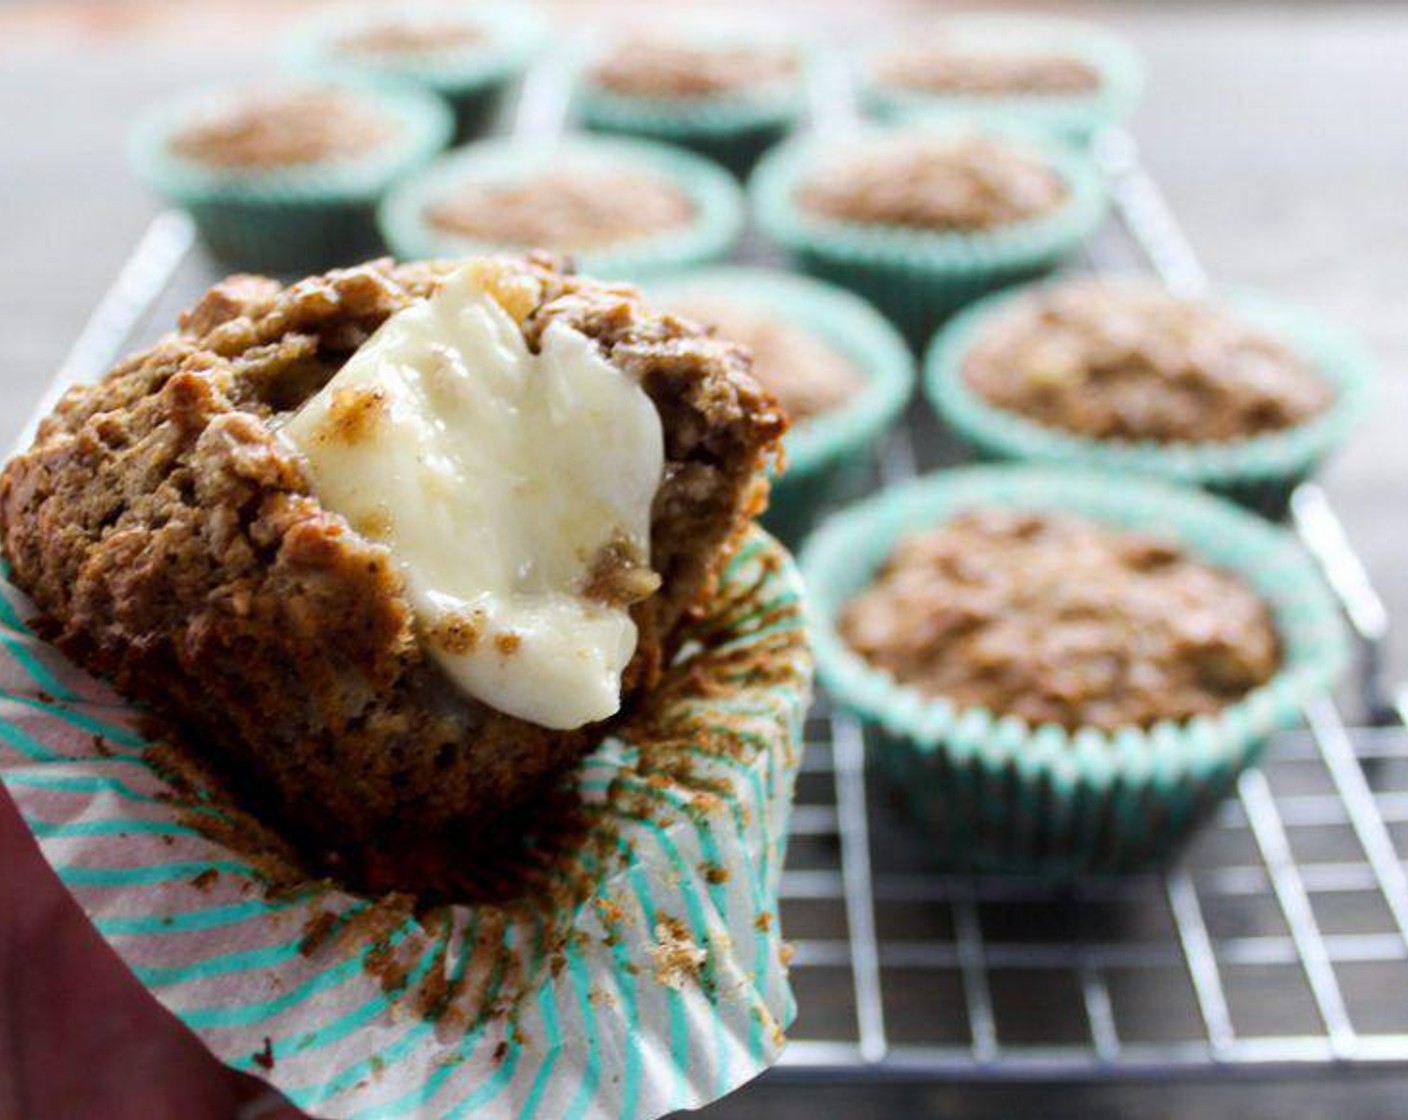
473	79
732	131
296	218
1259	472
718	206
643	972
1000	795
824	456
1074	117
917	277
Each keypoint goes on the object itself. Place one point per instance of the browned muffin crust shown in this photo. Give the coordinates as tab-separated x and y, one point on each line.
654	67
1057	619
172	543
951	183
566	210
262	132
806	374
1127	360
407	37
945	66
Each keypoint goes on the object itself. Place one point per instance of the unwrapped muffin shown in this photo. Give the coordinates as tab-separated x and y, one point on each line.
194	528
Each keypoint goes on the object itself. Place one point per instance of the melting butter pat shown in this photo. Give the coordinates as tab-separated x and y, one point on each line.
500	480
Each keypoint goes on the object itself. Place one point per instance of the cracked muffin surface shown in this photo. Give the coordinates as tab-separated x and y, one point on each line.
173	545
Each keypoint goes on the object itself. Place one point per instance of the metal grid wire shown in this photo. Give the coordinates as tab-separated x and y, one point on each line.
1280	941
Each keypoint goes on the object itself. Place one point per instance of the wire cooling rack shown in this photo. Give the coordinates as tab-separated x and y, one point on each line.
1280	941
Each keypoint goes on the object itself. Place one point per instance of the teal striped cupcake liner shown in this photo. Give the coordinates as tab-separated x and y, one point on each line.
1077	117
473	79
999	795
291	219
732	131
665	989
1259	472
715	228
918	277
826	455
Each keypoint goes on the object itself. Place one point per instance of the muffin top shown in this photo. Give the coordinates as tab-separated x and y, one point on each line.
565	209
1127	360
393	38
944	64
652	66
1057	619
951	183
290	128
806	374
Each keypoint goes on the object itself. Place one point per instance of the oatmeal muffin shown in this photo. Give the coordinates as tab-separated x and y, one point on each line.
287	178
840	371
1231	392
1059	75
923	219
469	54
1055	619
1128	360
1067	670
726	98
620	207
198	528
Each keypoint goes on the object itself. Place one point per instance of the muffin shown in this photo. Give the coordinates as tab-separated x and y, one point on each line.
287	178
295	478
1066	670
1059	75
836	366
921	220
468	54
728	98
1233	393
619	207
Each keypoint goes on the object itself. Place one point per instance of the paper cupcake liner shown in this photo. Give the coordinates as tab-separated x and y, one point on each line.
1000	795
1075	117
659	984
1259	472
824	455
472	79
718	209
310	216
917	277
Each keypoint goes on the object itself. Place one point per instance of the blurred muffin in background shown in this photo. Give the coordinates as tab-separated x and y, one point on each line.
728	97
1231	392
923	219
469	54
1060	75
838	368
286	178
620	207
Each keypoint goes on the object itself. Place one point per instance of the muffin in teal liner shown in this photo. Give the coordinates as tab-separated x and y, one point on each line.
923	219
1001	794
836	365
469	54
724	95
621	208
1065	76
288	178
1195	396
